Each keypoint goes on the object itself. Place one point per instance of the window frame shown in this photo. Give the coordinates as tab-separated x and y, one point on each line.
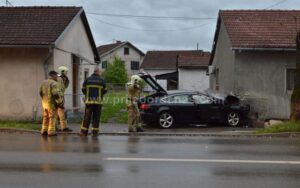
288	68
126	50
134	66
104	63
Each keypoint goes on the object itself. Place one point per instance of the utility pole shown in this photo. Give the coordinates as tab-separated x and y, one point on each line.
8	4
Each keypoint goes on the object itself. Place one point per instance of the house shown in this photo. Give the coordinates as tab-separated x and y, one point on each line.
127	52
163	65
254	56
35	40
192	72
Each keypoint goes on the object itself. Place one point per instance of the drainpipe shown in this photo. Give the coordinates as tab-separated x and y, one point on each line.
46	62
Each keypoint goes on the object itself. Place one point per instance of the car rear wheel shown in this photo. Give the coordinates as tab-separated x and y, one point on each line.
233	119
166	120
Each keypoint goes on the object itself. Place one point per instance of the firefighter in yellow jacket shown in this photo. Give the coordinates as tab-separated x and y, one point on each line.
51	99
133	91
63	83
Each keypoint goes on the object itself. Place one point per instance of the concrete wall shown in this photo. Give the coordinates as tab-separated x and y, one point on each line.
193	79
21	73
75	41
133	56
224	62
262	76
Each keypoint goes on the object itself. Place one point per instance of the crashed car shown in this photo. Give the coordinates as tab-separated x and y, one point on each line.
169	108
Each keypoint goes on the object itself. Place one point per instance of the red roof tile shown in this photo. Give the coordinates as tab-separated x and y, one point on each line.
167	59
34	25
108	47
194	62
262	28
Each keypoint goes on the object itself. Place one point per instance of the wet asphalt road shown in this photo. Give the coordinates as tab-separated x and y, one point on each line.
148	162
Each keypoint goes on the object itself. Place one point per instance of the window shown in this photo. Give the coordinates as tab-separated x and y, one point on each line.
104	64
177	99
290	75
201	99
86	73
126	51
135	65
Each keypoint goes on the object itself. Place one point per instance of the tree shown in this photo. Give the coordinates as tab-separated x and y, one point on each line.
295	99
116	72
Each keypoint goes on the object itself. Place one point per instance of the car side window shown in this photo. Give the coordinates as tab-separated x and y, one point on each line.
178	99
201	99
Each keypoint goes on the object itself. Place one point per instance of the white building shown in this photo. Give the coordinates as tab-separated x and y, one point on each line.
127	52
164	66
35	40
192	73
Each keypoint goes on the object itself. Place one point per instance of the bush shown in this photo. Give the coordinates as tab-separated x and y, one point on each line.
116	72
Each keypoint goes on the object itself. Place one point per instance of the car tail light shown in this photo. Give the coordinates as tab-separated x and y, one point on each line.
144	106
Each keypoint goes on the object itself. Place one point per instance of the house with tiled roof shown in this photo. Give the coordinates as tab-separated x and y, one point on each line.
192	72
35	40
126	51
175	69
254	55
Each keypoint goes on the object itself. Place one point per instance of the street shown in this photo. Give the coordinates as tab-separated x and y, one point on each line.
29	160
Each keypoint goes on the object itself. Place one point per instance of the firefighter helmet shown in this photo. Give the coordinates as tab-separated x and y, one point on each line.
63	70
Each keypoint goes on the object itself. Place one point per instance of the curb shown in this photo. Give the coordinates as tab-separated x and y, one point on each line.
228	135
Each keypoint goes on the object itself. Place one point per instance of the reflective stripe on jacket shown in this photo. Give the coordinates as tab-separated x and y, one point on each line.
94	89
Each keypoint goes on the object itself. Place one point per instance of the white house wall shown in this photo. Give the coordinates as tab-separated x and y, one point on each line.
134	55
21	74
193	79
74	41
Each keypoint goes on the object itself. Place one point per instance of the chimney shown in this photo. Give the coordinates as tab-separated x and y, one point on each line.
118	41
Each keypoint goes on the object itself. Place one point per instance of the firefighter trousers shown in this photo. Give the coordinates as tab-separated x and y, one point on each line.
49	121
62	118
134	119
92	111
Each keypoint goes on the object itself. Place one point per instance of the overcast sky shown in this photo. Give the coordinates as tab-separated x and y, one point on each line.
153	33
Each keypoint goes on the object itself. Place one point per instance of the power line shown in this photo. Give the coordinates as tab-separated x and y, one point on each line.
7	3
150	30
152	17
276	4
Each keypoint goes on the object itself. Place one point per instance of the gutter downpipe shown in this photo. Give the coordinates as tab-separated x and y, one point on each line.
46	61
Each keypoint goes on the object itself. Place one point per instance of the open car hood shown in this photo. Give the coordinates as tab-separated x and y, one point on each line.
152	83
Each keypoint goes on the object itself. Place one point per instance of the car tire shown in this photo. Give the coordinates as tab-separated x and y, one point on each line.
233	119
166	120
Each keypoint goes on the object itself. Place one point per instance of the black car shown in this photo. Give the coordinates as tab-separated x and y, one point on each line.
167	108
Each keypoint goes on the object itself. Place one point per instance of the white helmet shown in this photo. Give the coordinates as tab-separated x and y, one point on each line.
63	70
136	79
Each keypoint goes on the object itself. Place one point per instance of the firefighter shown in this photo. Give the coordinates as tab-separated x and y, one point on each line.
94	89
63	83
133	91
51	99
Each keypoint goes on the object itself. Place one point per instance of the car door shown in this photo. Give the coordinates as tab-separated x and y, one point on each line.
207	109
183	108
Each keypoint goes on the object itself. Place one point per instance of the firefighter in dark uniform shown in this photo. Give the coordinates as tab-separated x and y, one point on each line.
94	89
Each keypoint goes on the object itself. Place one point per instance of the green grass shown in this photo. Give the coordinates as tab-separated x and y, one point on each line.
113	103
20	125
282	127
